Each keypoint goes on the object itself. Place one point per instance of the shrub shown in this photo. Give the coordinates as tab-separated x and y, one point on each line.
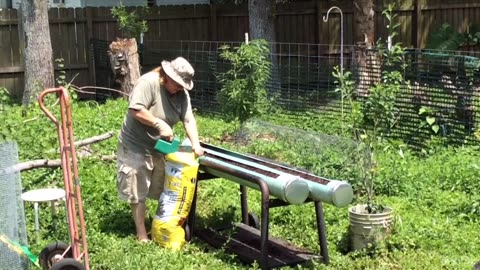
244	93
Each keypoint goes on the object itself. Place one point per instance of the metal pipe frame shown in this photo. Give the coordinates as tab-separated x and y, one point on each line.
265	215
266	204
335	192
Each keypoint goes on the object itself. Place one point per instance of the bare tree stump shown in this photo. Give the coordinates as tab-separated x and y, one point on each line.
124	60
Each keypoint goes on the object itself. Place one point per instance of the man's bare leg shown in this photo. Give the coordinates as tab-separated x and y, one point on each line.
138	213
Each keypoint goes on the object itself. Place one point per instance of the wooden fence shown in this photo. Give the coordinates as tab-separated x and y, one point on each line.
296	22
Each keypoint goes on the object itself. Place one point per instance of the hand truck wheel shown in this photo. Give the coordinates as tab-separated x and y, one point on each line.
68	264
52	254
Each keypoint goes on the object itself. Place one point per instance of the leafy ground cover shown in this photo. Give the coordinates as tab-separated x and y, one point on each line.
433	192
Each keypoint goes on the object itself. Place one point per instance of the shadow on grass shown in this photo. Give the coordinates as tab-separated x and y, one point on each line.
119	222
218	219
343	245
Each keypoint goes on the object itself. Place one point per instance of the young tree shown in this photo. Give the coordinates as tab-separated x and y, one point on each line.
38	62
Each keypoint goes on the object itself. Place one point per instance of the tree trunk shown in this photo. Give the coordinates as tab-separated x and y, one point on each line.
35	32
364	37
124	62
261	19
364	22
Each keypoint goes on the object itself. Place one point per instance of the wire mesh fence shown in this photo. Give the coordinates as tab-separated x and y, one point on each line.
316	152
12	216
447	83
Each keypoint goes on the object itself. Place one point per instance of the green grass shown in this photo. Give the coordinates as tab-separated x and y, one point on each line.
434	196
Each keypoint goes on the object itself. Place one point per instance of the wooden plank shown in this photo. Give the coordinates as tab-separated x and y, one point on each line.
55	34
311	21
349	20
167	13
403	34
88	53
80	36
319	22
153	25
13	83
232	11
20	69
112	29
5	37
213	23
310	11
450	6
64	20
99	24
200	31
416	23
69	46
10	69
17	46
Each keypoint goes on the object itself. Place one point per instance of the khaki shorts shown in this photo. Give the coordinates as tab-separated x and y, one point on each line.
139	175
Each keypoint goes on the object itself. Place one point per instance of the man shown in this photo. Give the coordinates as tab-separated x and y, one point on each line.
158	101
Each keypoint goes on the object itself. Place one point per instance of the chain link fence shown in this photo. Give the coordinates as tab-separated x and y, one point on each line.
447	84
12	215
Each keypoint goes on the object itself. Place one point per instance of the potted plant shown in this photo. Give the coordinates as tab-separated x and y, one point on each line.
371	221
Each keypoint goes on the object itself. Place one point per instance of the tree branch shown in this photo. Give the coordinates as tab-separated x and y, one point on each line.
94	139
46	163
28	165
90	140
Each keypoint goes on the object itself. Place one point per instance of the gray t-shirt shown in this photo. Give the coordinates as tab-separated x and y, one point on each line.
149	94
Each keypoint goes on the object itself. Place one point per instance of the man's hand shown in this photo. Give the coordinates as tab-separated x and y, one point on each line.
164	129
198	150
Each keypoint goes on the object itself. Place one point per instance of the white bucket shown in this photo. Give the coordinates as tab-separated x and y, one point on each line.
368	228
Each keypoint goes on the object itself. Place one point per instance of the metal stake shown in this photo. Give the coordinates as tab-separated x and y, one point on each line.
325	19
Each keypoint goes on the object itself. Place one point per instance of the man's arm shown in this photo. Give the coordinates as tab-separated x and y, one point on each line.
146	118
143	116
190	126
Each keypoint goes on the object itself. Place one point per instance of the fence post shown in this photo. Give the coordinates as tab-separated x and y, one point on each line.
90	55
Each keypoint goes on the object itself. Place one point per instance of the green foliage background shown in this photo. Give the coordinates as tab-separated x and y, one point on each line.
434	194
129	20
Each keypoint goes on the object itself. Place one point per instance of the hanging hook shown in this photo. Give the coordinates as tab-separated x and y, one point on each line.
325	19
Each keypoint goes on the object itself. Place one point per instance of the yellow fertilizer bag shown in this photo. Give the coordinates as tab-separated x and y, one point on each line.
181	170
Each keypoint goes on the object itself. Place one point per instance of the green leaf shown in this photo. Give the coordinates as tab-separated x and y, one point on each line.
423	110
435	128
430	120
